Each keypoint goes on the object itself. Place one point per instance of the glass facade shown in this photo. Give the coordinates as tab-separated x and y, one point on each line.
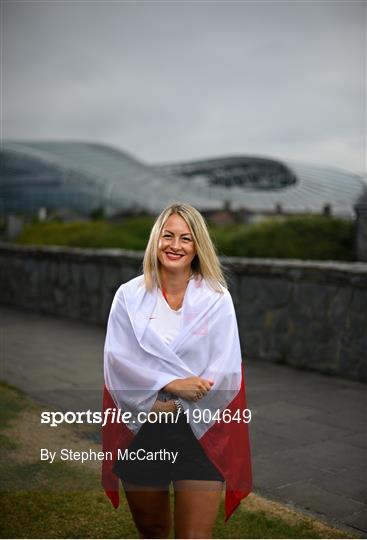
84	177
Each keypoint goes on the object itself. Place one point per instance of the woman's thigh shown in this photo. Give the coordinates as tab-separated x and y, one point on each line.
196	507
150	508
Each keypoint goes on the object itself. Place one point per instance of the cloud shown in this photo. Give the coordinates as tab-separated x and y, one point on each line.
181	80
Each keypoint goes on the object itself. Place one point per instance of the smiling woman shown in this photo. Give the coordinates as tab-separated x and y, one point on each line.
176	251
172	345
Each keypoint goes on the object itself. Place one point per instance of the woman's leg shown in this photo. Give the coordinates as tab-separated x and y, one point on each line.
196	507
150	508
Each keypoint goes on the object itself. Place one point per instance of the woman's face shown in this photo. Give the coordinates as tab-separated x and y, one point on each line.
176	247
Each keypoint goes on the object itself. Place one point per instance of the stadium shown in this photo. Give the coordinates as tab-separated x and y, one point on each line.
84	177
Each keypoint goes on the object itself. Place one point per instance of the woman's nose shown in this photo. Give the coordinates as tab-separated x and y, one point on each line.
175	243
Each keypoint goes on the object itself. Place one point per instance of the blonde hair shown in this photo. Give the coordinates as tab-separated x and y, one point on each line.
205	262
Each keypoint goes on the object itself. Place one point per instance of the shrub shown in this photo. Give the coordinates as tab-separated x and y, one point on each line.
301	237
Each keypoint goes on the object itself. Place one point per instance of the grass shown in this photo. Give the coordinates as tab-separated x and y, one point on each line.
40	500
302	237
64	515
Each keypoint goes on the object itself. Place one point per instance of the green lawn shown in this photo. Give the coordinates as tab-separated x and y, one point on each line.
39	500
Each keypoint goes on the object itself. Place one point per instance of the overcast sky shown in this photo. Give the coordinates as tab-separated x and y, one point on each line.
172	81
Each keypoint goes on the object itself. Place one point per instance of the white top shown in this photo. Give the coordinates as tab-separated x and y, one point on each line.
165	321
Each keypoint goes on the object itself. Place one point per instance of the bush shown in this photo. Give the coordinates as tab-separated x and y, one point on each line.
309	237
131	234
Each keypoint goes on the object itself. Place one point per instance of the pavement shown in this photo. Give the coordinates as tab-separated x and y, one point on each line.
308	431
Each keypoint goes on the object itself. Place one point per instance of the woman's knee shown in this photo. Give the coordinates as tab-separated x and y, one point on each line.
154	530
194	532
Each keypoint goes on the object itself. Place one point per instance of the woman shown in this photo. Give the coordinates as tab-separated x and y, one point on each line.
172	347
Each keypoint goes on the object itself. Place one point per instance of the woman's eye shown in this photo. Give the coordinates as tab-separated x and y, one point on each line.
170	236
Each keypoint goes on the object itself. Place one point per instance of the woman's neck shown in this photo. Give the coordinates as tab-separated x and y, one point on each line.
174	282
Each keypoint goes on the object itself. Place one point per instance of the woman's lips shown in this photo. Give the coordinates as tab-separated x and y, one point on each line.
173	257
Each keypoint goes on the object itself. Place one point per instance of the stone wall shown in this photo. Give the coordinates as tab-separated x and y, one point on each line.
312	315
361	229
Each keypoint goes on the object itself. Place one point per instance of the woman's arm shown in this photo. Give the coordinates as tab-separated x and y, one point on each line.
164	406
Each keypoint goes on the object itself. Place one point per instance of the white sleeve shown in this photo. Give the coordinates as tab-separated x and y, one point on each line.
132	388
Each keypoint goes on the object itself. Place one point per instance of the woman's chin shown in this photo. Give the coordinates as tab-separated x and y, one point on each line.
175	266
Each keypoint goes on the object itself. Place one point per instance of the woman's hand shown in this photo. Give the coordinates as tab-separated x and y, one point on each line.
192	388
164	406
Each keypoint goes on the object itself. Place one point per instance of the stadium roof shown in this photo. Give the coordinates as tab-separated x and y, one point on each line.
86	176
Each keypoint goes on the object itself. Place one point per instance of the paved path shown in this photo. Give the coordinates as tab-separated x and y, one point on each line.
308	431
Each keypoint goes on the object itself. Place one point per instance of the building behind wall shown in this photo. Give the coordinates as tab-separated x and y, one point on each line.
86	179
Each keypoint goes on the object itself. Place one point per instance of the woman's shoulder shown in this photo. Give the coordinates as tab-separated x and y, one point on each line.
134	282
214	293
136	286
215	288
131	286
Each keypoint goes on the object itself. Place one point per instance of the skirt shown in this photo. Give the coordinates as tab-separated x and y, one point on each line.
162	452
